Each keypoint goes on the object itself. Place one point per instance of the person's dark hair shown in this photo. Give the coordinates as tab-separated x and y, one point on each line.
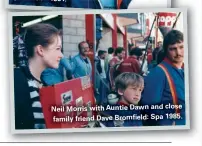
80	44
136	51
173	37
160	56
118	50
101	52
40	34
110	50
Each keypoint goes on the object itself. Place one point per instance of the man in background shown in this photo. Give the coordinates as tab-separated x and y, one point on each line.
101	82
131	64
81	65
113	64
108	58
156	50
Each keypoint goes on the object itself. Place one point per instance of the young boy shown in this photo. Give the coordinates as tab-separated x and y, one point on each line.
129	87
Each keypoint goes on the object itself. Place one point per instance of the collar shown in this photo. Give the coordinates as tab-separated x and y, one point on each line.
134	57
83	57
169	62
122	103
28	74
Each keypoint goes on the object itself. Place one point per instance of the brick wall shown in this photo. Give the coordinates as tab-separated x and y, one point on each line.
73	33
106	40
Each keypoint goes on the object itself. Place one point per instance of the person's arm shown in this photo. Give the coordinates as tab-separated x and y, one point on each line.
136	67
68	68
152	93
73	63
98	66
119	68
66	63
154	85
51	77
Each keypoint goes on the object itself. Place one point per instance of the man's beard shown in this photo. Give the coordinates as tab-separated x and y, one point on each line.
84	53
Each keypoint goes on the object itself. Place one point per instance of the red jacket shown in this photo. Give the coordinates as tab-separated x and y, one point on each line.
131	64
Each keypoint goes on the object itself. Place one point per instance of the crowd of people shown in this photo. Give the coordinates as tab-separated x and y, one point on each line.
162	83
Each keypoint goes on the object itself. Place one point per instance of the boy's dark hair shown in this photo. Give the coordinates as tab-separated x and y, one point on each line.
118	50
173	37
101	52
126	79
39	34
136	51
110	50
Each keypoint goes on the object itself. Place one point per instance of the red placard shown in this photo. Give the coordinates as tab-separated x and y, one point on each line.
76	93
166	19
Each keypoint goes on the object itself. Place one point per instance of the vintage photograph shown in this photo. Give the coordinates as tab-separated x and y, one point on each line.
96	70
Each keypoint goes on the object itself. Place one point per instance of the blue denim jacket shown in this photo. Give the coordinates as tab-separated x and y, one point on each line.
53	76
80	68
157	91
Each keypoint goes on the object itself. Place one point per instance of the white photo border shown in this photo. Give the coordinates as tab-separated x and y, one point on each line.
71	130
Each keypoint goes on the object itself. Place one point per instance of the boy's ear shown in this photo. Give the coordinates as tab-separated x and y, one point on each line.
120	92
